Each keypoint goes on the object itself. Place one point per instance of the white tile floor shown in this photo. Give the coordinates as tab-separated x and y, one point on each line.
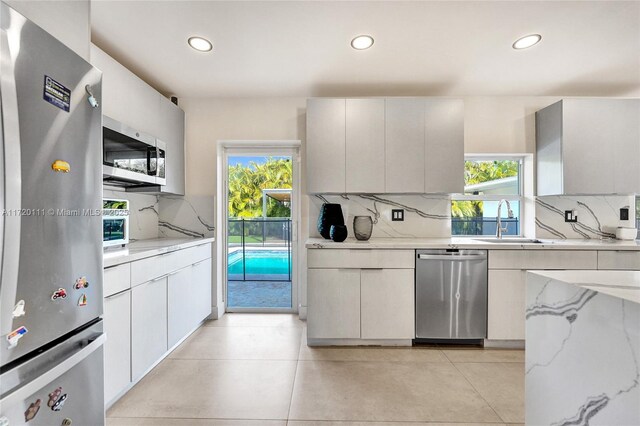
256	369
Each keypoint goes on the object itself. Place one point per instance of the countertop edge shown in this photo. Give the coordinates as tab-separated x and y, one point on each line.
622	289
109	262
411	244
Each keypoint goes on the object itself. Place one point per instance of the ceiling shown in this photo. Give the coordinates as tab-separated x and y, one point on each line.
301	48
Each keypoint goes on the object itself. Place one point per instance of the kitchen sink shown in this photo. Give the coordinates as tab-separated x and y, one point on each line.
510	240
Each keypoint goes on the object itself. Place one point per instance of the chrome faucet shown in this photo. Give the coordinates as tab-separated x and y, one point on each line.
499	228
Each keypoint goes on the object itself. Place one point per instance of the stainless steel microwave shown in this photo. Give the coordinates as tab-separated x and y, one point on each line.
115	222
131	158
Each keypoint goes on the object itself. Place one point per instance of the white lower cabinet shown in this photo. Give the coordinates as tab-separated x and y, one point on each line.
201	283
387	304
353	303
148	325
117	348
180	305
506	305
508	284
333	303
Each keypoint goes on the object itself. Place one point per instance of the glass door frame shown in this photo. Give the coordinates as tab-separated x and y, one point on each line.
253	148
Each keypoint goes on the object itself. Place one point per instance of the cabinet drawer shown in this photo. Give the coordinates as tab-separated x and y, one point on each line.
153	267
117	279
542	259
361	258
623	260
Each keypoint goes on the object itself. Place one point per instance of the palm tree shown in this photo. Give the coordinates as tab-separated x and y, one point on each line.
247	182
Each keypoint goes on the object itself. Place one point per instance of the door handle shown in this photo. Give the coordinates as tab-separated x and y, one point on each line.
452	258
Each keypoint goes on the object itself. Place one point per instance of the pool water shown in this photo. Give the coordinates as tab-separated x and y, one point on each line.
260	262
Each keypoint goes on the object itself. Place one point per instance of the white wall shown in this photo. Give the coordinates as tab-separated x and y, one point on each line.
68	21
502	124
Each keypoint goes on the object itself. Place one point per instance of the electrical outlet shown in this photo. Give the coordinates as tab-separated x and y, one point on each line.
397	215
624	213
570	216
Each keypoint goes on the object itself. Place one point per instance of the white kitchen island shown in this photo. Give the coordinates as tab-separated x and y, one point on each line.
583	348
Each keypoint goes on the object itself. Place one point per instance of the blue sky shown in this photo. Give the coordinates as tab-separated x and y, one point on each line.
246	160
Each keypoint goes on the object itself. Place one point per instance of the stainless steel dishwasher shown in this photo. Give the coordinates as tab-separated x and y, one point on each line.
451	296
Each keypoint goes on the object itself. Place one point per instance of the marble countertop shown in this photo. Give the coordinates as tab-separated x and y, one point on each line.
420	243
621	284
141	249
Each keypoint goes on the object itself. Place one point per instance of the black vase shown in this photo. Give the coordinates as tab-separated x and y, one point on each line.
330	214
338	233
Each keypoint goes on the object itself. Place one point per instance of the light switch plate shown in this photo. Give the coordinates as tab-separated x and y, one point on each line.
397	215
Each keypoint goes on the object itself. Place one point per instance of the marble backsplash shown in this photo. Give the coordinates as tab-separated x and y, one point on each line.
425	216
143	213
598	216
188	216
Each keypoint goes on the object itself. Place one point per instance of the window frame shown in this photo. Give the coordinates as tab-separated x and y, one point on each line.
520	197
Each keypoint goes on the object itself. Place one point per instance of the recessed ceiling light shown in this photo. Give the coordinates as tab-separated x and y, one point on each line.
527	41
362	42
200	44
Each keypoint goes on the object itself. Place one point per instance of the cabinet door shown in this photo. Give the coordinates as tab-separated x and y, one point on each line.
404	150
506	305
148	325
117	348
444	146
365	146
388	303
171	132
333	303
201	283
181	301
326	145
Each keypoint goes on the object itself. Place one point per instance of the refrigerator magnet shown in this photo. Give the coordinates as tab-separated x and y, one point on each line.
53	396
18	310
59	403
82	301
32	410
81	283
15	335
60	293
61	166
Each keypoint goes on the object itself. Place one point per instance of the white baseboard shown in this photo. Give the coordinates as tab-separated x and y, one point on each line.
504	344
359	342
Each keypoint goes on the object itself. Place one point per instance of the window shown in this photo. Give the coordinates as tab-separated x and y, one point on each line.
487	180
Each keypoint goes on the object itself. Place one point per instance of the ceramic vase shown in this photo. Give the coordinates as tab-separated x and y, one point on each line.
330	214
362	227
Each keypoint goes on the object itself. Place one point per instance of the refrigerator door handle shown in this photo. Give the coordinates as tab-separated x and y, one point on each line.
49	376
10	187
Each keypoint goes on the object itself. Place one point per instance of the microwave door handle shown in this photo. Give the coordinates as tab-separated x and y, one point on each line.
10	190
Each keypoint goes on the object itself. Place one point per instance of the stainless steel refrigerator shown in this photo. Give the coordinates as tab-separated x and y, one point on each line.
51	358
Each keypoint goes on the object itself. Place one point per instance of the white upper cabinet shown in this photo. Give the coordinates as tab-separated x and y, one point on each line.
405	145
365	168
325	148
128	99
393	145
444	146
588	146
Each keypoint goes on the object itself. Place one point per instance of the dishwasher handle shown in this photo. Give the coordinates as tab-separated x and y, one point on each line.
452	257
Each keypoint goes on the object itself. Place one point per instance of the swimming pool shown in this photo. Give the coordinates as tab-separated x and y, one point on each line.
260	264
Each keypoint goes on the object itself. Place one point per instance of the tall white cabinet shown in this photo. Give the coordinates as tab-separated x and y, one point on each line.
404	154
392	145
326	126
588	146
365	144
